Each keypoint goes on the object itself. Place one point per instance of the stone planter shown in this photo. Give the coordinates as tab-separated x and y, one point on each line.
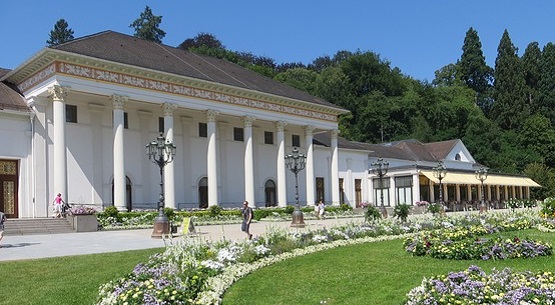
419	209
83	223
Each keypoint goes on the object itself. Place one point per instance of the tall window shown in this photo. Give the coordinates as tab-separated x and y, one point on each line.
125	121
403	186
202	130
270	192
358	192
160	124
381	189
268	137
424	189
296	140
341	192
320	191
463	191
238	134
71	113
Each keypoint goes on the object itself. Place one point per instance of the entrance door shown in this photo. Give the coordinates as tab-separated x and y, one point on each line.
203	193
8	188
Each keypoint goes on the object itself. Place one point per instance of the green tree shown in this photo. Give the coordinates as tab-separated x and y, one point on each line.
446	76
147	26
510	107
202	40
537	135
473	70
544	176
546	104
60	34
531	66
299	78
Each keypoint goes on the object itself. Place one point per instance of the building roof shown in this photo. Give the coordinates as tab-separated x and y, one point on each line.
129	50
10	97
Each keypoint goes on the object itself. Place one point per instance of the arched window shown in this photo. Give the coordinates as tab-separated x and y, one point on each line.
270	191
128	192
457	157
203	193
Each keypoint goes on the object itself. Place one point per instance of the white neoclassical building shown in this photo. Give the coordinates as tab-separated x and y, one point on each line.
75	119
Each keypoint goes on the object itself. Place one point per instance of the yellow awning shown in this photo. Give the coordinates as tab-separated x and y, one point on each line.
468	178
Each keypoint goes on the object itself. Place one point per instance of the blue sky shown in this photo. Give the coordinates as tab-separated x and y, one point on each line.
418	37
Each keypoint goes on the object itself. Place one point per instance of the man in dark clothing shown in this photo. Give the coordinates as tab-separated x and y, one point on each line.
247	218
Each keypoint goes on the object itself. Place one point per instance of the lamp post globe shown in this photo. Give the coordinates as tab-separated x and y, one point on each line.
296	162
380	168
161	152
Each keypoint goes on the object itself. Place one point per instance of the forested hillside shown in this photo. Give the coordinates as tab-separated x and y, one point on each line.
504	114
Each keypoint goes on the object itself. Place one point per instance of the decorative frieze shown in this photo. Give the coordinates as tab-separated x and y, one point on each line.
166	87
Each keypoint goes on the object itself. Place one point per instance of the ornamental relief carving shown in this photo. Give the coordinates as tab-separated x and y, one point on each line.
139	82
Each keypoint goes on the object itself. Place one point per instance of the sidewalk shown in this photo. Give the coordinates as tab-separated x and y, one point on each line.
19	247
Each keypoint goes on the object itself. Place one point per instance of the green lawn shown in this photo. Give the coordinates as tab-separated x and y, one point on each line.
374	273
64	280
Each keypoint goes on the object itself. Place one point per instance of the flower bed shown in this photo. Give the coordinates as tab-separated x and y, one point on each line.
474	286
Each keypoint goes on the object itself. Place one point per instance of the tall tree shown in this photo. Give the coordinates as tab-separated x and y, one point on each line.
510	107
60	34
547	83
202	40
473	70
531	66
147	26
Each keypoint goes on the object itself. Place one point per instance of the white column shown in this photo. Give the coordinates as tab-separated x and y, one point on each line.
281	181
58	94
118	102
96	111
212	166
432	193
334	168
249	161
169	169
458	193
190	189
415	188
309	167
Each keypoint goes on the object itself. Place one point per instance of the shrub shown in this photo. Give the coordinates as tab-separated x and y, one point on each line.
372	213
402	211
434	208
215	210
548	208
289	209
169	212
111	211
345	207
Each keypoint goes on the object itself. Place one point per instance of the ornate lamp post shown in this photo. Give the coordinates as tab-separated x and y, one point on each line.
380	168
482	174
440	172
160	152
296	162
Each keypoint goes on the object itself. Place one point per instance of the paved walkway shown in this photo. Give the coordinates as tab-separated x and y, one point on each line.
19	247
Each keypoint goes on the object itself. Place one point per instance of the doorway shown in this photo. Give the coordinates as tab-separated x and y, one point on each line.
9	188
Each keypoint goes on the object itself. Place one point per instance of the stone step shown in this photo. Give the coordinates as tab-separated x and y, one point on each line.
37	226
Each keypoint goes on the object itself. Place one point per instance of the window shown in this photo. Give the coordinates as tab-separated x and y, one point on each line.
71	113
458	157
238	134
381	189
320	192
296	140
125	122
160	124
202	130
425	189
268	137
341	192
358	192
403	186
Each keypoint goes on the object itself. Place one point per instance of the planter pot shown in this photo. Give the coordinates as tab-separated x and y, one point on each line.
419	209
84	223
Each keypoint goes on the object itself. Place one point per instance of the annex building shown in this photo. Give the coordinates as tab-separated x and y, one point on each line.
75	119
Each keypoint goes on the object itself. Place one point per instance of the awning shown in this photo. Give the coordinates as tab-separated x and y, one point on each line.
470	178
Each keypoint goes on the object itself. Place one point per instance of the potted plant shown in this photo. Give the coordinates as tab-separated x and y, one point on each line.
83	219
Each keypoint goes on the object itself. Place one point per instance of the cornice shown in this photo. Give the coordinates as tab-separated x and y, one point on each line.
50	62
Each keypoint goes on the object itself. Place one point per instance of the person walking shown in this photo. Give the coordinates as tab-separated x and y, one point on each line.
2	221
321	209
247	219
57	202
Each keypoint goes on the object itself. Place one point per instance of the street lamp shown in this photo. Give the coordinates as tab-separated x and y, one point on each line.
440	172
296	162
380	168
482	174
161	152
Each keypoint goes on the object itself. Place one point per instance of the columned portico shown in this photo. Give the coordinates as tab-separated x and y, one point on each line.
282	183
212	166
249	160
334	168
118	102
58	95
169	169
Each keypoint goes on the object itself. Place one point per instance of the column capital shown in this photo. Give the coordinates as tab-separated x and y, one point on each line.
309	130
334	133
168	108
211	115
118	101
280	126
58	93
248	120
